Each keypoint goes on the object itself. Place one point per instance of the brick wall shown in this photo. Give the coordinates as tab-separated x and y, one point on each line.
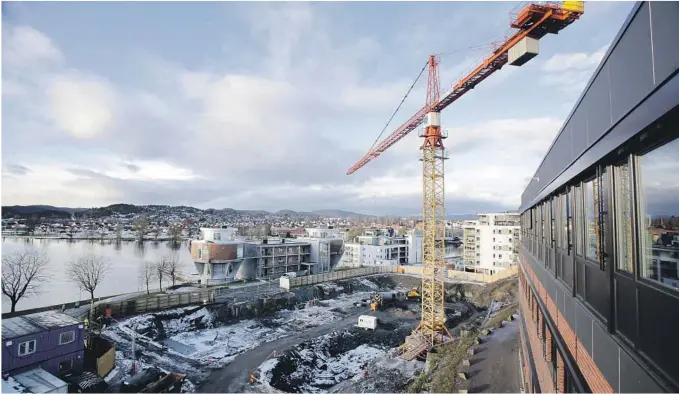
592	374
542	371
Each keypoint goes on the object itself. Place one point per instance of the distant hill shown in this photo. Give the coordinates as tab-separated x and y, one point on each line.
42	211
20	211
337	213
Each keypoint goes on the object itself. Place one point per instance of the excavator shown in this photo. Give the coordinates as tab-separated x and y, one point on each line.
415	293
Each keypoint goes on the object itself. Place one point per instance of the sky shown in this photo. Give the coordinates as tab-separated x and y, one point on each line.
266	105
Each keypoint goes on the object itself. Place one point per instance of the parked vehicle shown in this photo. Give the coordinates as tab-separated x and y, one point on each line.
367	322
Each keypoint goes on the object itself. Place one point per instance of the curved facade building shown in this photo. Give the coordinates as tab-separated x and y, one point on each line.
599	250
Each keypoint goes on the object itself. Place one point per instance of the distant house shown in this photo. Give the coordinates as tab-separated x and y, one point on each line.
51	340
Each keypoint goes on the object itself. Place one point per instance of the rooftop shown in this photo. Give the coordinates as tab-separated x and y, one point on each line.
36	380
19	326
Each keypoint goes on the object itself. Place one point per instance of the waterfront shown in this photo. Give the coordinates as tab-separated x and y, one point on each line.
123	277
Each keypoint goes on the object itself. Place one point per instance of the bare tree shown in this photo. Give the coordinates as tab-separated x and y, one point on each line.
141	226
172	266
175	232
146	274
160	269
88	271
119	231
22	273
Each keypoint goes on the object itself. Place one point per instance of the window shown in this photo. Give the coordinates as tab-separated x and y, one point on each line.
579	222
552	212
65	366
26	348
658	206
623	216
216	236
569	219
66	337
591	219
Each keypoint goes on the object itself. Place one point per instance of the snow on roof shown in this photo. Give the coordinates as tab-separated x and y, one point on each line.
12	386
19	326
39	381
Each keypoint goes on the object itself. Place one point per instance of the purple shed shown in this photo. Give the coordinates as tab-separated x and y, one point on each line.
52	340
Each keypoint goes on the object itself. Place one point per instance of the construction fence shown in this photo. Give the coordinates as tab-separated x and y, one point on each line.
289	283
154	303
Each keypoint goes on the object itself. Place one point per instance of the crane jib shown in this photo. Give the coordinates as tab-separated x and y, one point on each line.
534	21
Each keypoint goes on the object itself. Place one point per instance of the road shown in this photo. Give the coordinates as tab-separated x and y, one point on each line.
495	367
234	378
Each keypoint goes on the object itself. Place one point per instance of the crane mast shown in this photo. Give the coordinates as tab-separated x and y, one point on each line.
433	155
532	23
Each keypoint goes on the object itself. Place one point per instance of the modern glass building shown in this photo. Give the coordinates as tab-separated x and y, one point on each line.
599	252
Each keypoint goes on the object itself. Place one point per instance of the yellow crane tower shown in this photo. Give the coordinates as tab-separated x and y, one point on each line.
531	23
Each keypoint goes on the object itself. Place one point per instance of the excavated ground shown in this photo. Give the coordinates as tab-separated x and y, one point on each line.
317	345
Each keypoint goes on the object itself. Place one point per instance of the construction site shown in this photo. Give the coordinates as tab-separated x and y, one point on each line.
388	333
344	336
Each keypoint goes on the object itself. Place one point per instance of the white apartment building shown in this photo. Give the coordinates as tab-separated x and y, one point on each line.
326	248
490	242
376	250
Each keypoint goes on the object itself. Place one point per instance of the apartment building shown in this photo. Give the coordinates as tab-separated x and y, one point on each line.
276	257
598	257
220	257
376	250
490	242
326	248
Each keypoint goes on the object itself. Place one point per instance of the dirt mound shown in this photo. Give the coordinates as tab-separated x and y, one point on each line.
321	363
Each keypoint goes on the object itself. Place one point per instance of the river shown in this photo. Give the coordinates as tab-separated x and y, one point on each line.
123	277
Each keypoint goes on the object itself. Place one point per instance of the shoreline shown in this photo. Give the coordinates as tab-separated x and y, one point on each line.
61	237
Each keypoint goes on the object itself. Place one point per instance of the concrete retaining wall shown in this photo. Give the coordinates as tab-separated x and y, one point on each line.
289	283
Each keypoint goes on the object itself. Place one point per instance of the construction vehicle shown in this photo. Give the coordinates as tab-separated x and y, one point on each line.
530	24
414	294
377	300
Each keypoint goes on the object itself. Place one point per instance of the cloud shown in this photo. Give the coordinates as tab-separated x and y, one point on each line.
81	105
25	47
570	72
15	169
279	134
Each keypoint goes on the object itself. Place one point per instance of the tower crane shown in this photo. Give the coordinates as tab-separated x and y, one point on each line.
531	23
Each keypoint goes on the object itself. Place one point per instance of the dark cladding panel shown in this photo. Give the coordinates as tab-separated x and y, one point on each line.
597	103
569	310
561	152
634	378
584	327
626	307
658	322
605	355
578	128
597	290
664	17
631	66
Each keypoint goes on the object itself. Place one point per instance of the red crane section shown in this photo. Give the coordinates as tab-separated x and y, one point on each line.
534	21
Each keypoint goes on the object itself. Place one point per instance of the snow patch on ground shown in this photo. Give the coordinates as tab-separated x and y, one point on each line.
331	286
266	369
367	283
211	344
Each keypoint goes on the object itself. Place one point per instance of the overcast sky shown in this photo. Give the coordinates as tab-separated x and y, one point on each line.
266	105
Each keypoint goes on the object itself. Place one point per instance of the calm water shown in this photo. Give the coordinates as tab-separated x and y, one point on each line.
125	258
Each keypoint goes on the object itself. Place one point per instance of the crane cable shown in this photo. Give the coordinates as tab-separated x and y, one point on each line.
466	49
399	106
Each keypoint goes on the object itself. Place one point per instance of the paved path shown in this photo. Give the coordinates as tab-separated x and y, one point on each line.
234	378
495	366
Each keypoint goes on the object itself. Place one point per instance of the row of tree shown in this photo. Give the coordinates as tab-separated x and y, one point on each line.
24	272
